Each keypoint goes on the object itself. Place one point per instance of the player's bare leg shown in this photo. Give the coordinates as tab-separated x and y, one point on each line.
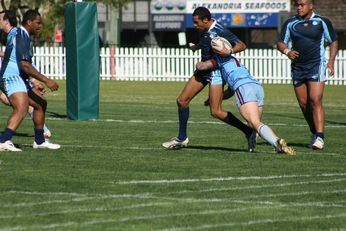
316	100
39	105
252	114
215	96
305	106
20	104
191	89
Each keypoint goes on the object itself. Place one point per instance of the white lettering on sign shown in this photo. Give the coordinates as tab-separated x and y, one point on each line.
167	25
165	18
239	6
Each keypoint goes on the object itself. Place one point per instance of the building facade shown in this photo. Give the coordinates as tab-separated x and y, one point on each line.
256	22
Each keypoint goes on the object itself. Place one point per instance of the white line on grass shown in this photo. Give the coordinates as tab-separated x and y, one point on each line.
213	189
85	197
230	178
86	210
254	222
158	147
160	216
80	199
320	204
239	199
190	122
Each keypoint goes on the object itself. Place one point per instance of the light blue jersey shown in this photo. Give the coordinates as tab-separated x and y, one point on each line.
233	72
246	88
18	48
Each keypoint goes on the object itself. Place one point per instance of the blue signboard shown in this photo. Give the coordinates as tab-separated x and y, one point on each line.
252	20
168	22
262	20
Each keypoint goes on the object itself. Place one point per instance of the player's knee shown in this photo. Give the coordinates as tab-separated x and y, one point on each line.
182	103
302	105
316	102
42	105
39	103
254	123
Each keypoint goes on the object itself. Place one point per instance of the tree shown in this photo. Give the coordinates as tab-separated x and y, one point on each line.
52	12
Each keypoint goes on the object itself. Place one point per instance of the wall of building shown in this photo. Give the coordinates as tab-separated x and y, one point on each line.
335	11
135	30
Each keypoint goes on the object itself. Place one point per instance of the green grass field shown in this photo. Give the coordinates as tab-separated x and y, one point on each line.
112	174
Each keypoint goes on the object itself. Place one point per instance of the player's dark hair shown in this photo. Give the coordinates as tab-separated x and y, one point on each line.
311	1
3	37
11	16
202	13
30	15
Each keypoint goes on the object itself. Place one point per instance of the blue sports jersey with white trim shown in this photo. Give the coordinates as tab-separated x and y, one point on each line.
215	30
18	48
308	37
213	76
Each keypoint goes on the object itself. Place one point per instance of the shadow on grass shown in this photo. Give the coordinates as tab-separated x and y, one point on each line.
301	145
23	134
56	115
330	122
199	147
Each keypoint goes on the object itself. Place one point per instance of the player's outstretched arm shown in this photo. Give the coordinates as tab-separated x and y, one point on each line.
31	71
239	47
194	47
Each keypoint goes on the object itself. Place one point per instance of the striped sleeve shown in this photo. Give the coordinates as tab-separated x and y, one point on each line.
328	31
285	35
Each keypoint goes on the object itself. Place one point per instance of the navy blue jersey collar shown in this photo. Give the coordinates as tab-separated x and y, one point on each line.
313	15
23	28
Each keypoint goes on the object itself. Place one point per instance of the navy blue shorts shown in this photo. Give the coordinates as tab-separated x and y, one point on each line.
311	72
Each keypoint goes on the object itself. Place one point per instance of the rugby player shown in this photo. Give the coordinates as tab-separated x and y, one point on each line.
209	29
308	31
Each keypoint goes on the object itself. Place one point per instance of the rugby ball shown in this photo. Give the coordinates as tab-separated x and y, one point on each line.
218	42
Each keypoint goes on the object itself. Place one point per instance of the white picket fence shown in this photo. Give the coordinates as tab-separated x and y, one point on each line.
175	64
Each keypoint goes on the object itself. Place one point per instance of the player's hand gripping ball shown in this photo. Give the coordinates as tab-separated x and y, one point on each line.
218	43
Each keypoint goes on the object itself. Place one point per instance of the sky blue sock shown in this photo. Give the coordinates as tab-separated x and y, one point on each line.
7	135
183	118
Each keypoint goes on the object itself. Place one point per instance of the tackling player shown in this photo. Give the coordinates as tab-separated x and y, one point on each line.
249	96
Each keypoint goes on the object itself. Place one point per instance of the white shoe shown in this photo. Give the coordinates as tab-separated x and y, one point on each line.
9	146
47	135
251	141
46	145
282	147
175	143
318	144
